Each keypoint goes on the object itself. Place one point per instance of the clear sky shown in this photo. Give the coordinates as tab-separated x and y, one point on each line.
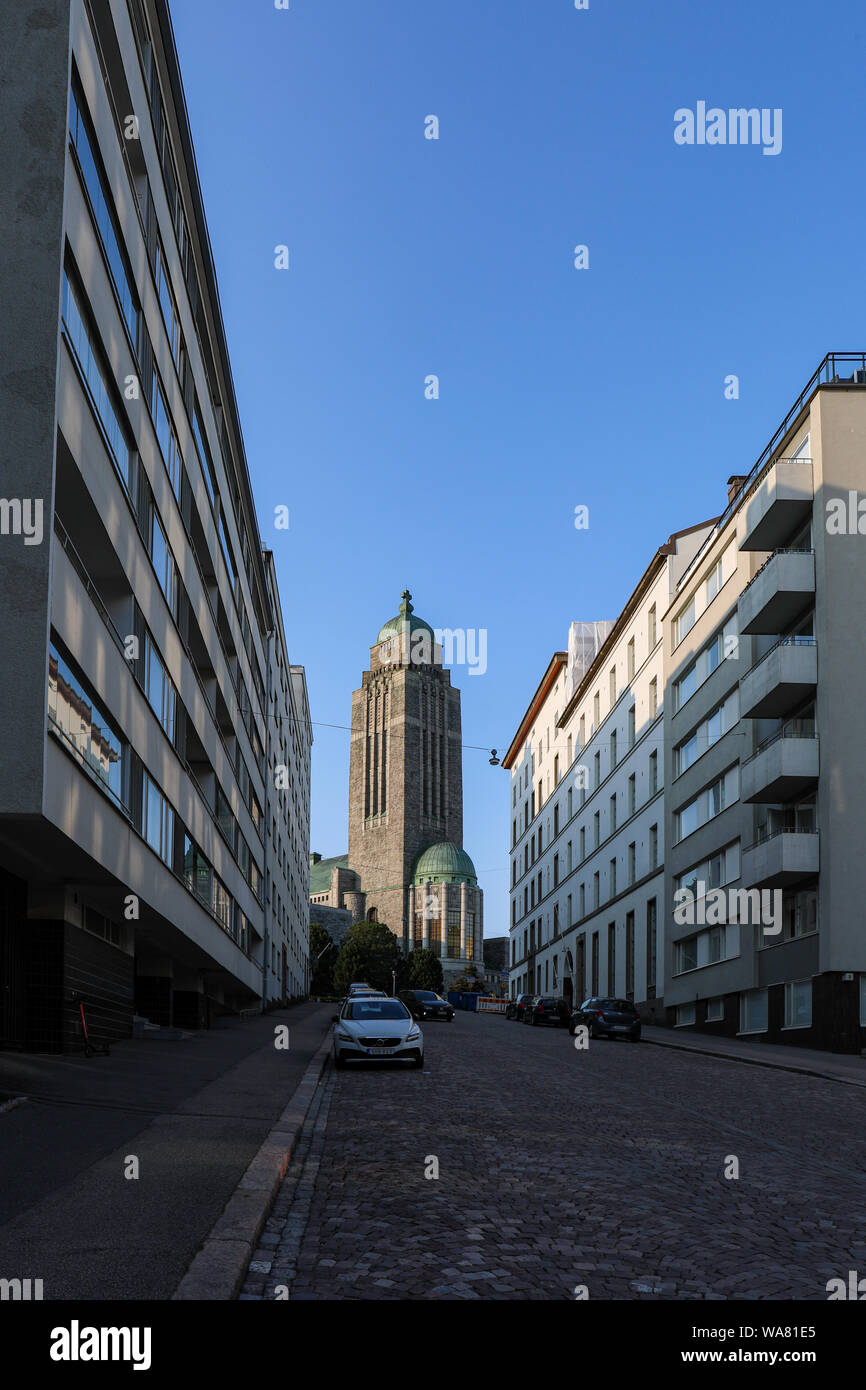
559	387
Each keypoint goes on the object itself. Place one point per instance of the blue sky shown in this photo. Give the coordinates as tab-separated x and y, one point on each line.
558	387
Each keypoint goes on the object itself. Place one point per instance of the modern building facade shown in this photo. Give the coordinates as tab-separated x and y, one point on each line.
765	739
686	811
406	865
587	806
287	815
138	622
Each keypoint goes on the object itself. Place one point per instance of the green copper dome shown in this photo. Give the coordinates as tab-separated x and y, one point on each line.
395	627
445	863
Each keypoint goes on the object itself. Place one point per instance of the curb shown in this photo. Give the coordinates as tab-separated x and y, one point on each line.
755	1061
218	1269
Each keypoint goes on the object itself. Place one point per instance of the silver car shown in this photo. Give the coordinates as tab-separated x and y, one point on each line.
368	1029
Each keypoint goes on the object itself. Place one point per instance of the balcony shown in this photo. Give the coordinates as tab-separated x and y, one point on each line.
780	504
781	769
783	587
784	857
784	677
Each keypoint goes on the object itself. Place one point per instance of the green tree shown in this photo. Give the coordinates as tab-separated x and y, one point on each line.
370	952
322	979
424	970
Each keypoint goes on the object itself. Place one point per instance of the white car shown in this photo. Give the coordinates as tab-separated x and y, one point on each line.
368	1029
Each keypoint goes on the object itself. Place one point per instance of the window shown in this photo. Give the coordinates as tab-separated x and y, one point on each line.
198	873
597	768
165	435
753	1011
685	1015
83	727
596	829
715	872
88	354
596	709
166	302
612	817
612	686
651	943
611	957
203	451
596	883
653	697
157	819
101	205
718	722
686	954
715	1009
631	861
613	749
223	905
629	953
721	571
653	846
798	1004
652	636
631	726
708	803
159	689
582	844
632	794
612	893
630	658
653	772
163	563
723	645
684	621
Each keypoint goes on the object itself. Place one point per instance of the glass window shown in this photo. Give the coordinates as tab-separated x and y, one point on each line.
159	689
198	873
157	820
89	357
163	563
166	437
798	1004
685	620
753	1011
83	727
100	202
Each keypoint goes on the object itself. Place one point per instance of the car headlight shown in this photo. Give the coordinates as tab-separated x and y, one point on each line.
413	1033
345	1037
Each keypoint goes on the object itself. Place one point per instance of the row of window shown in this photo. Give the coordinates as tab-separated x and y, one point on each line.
87	730
754	1008
701	599
157	684
574	960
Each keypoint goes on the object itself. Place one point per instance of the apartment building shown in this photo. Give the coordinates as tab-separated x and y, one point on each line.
765	740
587	806
287	816
138	626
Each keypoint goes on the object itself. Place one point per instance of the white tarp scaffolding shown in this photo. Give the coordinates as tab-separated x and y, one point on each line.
585	641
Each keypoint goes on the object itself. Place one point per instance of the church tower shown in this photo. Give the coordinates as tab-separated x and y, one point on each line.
406	795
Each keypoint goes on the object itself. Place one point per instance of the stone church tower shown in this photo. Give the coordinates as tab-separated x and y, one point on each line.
406	796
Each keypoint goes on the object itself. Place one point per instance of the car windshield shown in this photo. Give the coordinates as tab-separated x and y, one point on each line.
548	1002
427	996
616	1006
372	1009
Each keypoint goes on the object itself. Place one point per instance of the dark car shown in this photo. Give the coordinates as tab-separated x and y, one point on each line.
515	1007
425	1003
546	1008
607	1018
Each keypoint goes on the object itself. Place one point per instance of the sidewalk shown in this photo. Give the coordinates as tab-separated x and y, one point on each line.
193	1111
832	1066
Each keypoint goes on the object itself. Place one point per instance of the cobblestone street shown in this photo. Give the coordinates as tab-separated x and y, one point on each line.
560	1168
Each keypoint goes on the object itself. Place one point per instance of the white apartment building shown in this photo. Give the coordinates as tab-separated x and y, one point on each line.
587	806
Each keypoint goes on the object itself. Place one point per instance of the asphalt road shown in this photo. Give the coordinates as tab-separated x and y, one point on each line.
192	1111
560	1169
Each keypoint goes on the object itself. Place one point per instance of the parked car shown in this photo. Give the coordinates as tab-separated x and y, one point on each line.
547	1008
515	1007
360	987
425	1003
607	1018
370	1029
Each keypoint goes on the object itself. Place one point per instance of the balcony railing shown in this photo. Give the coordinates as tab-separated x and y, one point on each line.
774	738
782	550
784	642
765	833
